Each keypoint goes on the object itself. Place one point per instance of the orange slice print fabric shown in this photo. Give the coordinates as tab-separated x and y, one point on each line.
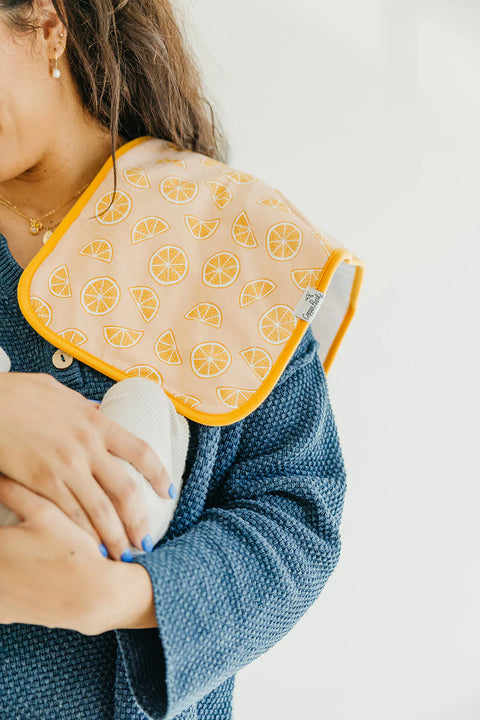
195	275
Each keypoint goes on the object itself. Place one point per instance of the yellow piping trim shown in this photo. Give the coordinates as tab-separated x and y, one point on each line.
352	306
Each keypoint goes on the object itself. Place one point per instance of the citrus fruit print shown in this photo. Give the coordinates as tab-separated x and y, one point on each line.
177	190
201	229
147	228
220	193
209	162
328	244
221	269
256	290
121	337
210	359
146	301
241	178
178	162
242	232
234	397
171	146
74	336
137	177
166	349
200	268
145	371
277	324
100	295
258	360
284	241
59	282
168	265
304	279
42	310
189	400
118	211
100	249
207	313
274	203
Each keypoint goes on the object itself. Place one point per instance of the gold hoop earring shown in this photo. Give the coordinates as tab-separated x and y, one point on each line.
56	72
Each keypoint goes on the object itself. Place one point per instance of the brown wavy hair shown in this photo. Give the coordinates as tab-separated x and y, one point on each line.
135	72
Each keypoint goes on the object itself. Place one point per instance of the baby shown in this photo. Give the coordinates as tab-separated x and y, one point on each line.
143	408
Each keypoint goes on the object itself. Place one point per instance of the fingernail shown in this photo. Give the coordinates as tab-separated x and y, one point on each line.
103	550
172	491
147	543
126	556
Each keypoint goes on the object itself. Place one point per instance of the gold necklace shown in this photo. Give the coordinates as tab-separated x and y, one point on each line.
35	224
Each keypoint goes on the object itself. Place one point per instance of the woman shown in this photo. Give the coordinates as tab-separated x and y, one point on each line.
256	532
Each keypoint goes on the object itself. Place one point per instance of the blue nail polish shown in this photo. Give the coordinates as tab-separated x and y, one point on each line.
103	550
172	491
147	543
126	556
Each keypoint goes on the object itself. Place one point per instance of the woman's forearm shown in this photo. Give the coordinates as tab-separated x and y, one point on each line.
128	601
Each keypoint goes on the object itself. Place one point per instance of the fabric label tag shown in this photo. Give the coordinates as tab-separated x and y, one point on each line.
309	304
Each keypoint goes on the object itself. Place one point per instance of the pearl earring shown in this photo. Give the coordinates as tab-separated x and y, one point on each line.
56	72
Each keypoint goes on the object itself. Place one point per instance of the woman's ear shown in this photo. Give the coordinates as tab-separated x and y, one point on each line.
49	21
5	362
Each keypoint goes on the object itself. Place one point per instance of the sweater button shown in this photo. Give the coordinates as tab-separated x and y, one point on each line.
61	359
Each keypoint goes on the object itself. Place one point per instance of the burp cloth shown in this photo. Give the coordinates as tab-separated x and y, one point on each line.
198	277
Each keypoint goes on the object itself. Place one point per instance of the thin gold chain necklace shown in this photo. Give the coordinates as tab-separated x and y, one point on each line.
35	223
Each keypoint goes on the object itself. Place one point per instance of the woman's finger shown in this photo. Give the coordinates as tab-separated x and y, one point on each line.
58	494
95	402
59	490
21	500
100	509
124	444
113	476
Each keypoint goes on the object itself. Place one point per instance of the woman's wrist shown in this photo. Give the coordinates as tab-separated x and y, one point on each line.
128	601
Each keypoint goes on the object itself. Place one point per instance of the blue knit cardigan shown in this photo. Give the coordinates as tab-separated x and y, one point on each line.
254	538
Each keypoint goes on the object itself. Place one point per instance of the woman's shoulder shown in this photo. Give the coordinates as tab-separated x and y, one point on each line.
306	352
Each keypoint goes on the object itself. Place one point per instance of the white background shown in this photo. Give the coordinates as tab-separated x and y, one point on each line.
366	114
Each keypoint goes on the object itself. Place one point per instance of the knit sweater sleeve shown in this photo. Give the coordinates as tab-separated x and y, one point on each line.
234	583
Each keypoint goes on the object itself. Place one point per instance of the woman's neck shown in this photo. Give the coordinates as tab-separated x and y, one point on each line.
59	173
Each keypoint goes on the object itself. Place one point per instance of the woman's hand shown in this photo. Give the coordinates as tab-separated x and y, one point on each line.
51	571
56	442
